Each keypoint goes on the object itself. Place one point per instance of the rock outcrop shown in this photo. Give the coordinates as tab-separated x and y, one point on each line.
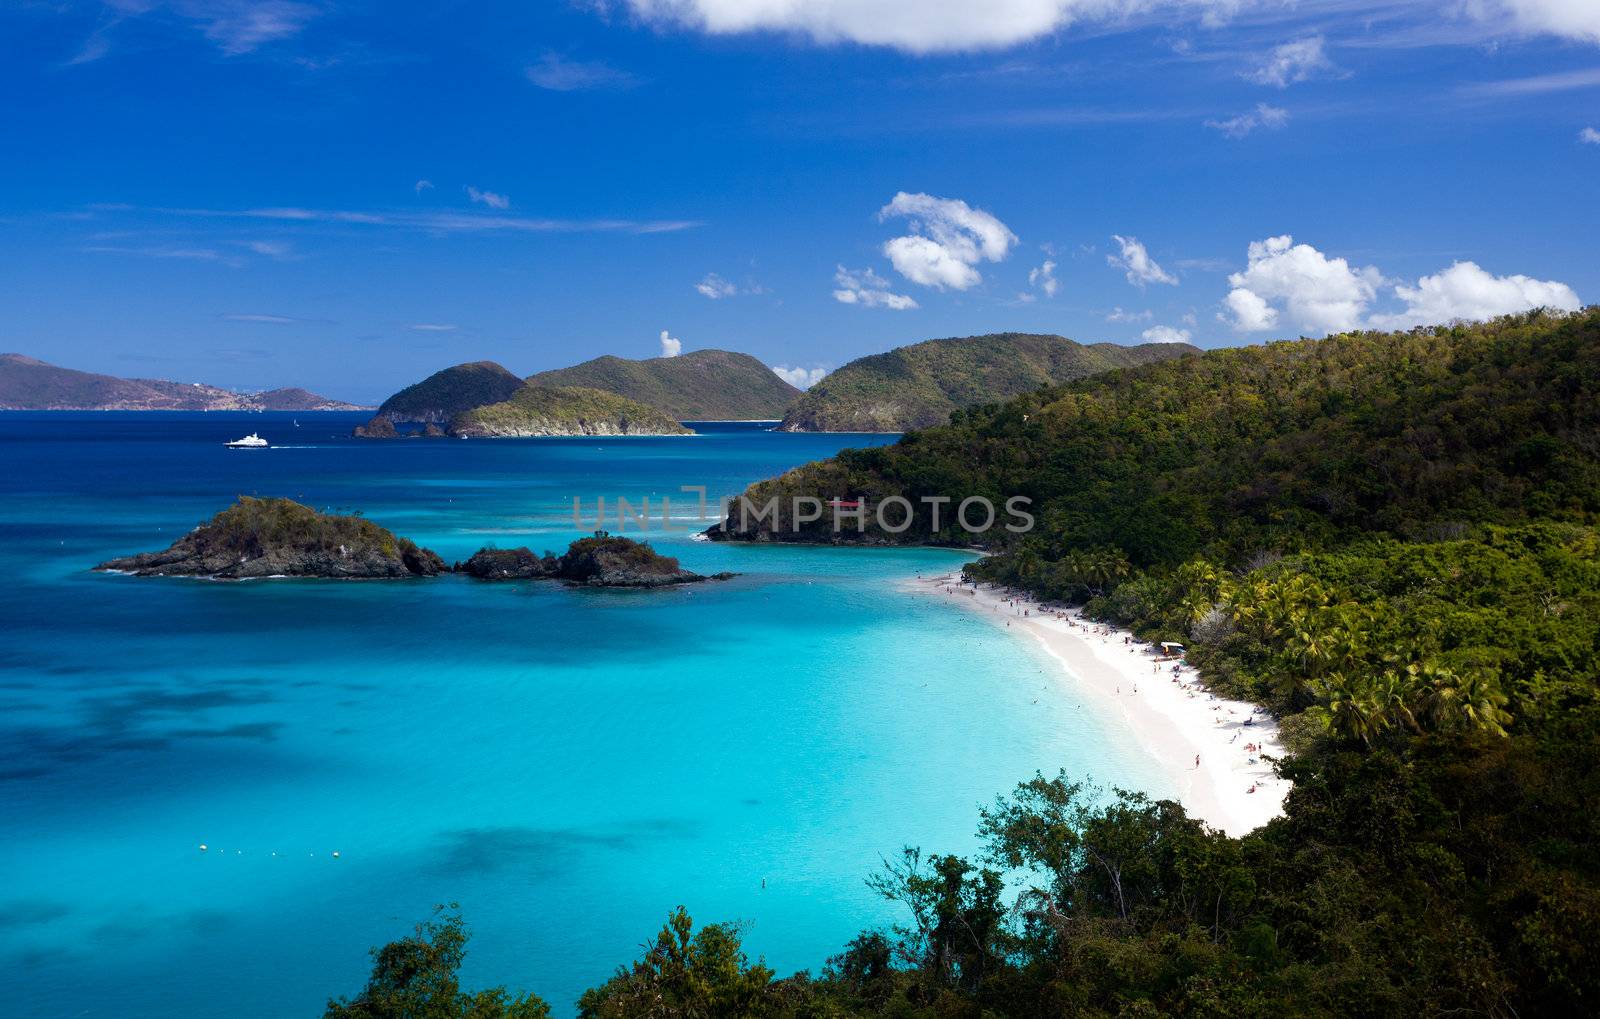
257	538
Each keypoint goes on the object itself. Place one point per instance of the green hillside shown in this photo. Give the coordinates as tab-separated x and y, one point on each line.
918	386
703	385
444	394
564	410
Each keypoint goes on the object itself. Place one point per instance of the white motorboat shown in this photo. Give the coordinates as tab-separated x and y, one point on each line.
251	441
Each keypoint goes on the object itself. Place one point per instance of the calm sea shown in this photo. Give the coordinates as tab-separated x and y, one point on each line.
567	765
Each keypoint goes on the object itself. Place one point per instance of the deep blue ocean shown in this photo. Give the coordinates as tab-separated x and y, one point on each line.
567	765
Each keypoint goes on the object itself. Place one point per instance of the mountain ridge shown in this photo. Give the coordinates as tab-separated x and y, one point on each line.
920	384
27	383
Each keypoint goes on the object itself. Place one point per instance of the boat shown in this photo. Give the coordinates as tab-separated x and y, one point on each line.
251	441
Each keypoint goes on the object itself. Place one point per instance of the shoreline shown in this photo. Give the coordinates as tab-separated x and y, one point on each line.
1172	716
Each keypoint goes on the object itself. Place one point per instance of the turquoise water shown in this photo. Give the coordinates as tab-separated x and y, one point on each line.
567	765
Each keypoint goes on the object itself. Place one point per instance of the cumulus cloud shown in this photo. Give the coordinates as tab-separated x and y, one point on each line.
715	287
490	198
1251	312
949	239
869	290
1318	295
1572	19
560	74
1044	279
1465	291
918	26
670	347
1321	294
1118	315
1137	264
1589	136
1165	334
1267	117
1293	62
800	378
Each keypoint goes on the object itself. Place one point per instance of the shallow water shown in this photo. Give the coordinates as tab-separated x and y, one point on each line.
567	765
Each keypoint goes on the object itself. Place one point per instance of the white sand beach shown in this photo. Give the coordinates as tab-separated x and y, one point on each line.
1232	787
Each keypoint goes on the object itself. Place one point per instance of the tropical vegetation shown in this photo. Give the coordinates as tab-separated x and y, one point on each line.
918	386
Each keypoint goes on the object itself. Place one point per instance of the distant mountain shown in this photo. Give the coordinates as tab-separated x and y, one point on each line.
27	383
918	386
703	385
564	410
441	396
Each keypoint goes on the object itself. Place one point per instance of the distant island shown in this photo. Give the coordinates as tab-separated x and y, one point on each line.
605	396
920	385
702	385
257	538
27	383
563	410
601	561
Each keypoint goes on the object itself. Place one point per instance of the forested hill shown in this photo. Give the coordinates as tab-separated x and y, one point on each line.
448	392
1272	448
702	385
919	385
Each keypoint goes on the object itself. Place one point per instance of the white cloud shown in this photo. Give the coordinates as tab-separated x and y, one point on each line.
559	74
272	320
800	378
670	347
1537	85
715	287
1165	334
422	185
1293	62
869	290
1321	294
919	26
1139	267
1044	278
490	198
1251	312
1270	118
271	249
948	240
1589	136
1465	291
431	222
236	26
1118	315
1572	19
433	327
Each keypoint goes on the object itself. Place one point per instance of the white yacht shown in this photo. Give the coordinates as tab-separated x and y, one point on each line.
251	441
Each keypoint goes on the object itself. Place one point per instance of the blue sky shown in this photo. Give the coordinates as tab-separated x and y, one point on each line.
349	195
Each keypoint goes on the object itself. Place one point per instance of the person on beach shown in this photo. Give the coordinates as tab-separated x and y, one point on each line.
1197	760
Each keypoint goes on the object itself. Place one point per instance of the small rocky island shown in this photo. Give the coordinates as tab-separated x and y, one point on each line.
256	538
259	538
601	561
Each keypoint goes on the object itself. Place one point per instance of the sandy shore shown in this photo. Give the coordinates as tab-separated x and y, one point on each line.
1232	788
